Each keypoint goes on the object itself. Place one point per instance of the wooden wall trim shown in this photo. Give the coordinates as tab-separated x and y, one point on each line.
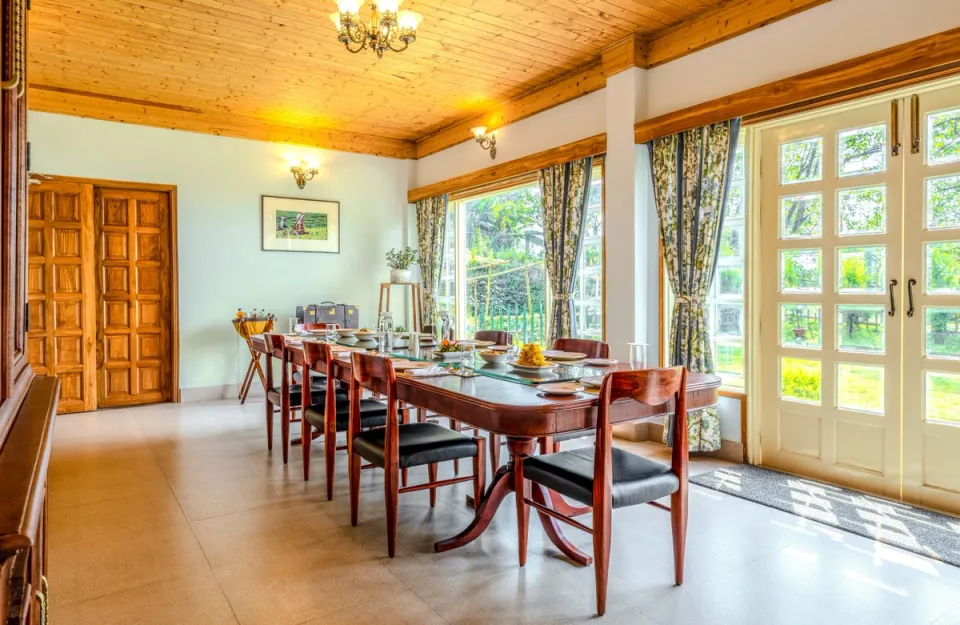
100	106
581	82
720	24
590	146
936	55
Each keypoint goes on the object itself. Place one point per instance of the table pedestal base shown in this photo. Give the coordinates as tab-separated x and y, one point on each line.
500	487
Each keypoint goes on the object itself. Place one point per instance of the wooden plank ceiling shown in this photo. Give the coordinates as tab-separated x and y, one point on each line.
273	69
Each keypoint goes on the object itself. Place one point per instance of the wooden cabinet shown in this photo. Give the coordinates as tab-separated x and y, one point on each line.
27	402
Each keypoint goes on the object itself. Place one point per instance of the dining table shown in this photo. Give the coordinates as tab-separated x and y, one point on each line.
504	402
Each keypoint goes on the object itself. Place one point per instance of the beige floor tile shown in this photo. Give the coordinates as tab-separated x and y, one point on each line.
335	576
104	484
94	520
108	561
194	600
202	500
276	531
395	608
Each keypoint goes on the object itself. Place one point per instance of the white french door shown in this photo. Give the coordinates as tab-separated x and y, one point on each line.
831	246
860	283
931	358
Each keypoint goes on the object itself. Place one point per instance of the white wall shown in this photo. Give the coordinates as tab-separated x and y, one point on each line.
219	183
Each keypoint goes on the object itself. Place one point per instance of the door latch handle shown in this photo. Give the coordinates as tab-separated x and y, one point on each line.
893	306
910	284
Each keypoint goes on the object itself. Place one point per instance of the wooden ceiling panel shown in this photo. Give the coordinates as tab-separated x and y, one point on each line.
253	67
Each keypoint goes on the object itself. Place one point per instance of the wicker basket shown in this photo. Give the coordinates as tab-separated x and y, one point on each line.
249	327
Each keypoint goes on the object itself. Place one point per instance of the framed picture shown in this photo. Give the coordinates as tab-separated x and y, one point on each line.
296	225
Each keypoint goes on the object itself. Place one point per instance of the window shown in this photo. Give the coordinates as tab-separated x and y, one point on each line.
726	308
493	275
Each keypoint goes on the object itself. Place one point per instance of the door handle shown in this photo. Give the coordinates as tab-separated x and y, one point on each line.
910	284
893	306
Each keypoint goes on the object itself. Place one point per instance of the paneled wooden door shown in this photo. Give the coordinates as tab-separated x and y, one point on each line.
61	276
134	274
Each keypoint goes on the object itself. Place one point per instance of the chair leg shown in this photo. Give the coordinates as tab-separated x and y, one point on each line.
404	418
330	460
494	452
456	427
306	442
432	477
601	554
391	493
354	488
678	522
522	488
479	470
556	447
269	405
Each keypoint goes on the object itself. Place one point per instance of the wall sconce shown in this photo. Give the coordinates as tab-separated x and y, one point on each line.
486	141
302	172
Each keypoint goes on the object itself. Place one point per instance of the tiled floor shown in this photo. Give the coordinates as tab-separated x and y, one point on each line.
177	514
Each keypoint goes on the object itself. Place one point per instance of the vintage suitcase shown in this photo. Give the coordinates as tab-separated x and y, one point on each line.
328	312
306	314
350	316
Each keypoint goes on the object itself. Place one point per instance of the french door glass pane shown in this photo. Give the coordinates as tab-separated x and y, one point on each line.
801	161
943	202
862	269
943	332
731	242
800	325
730	282
861	328
943	267
862	211
942	397
729	361
801	216
943	137
860	387
734	201
862	150
800	271
800	379
730	320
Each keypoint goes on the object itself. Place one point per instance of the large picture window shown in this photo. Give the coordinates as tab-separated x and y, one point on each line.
493	275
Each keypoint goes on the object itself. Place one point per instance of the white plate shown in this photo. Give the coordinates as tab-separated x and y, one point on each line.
553	354
599	362
594	381
482	343
560	388
407	365
346	331
365	336
448	356
549	367
500	348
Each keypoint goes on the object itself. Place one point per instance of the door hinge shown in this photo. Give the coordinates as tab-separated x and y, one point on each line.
26	317
28	157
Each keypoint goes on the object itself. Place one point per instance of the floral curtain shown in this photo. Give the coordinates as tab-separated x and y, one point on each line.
431	223
564	192
691	174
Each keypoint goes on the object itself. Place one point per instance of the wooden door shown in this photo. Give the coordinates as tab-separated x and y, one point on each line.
61	290
134	269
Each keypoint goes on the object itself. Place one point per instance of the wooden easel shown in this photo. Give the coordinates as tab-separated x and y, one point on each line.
416	325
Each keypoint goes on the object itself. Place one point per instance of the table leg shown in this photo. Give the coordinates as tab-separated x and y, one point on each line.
552	527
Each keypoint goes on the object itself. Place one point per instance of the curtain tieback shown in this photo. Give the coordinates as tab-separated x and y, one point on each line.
688	299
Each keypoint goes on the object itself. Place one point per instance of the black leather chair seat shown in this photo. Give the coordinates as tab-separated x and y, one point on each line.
419	444
636	479
372	414
317	394
569	436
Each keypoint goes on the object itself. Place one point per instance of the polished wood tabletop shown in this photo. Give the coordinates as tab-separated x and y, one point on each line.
519	412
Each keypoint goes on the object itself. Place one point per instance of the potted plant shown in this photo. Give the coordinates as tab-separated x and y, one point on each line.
399	262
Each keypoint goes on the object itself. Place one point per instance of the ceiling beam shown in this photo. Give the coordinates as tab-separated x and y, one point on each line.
716	26
623	54
48	99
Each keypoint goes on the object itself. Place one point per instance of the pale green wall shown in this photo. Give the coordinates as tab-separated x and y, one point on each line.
219	183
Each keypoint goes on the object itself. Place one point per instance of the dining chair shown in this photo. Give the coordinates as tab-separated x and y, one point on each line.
499	337
605	478
260	345
401	446
293	400
593	349
319	356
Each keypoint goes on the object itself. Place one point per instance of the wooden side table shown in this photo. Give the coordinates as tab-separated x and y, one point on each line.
415	297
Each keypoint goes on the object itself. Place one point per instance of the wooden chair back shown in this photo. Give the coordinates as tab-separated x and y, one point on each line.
653	387
373	373
318	357
275	343
593	349
499	337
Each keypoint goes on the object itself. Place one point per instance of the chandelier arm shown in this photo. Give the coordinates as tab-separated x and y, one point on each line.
359	32
359	48
395	49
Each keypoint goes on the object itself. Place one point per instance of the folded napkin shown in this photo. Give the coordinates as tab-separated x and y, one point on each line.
427	372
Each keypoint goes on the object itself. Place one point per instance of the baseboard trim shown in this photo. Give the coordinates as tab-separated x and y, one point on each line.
210	393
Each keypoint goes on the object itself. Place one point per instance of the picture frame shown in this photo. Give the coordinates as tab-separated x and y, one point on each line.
299	225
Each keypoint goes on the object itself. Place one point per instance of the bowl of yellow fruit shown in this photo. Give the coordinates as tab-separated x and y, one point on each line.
531	358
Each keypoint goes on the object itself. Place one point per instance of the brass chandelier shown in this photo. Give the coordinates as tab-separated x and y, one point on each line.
387	30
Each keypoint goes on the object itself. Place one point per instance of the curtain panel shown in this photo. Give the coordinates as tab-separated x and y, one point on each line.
431	224
564	192
691	178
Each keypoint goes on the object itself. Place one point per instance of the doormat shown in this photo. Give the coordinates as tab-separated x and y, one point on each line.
923	532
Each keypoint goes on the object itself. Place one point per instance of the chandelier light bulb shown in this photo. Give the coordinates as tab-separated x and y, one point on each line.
389	6
349	6
335	18
479	131
409	20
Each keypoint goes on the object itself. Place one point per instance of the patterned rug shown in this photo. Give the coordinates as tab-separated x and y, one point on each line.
921	531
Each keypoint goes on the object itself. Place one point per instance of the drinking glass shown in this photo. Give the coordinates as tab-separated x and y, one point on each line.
466	361
638	355
292	322
332	332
